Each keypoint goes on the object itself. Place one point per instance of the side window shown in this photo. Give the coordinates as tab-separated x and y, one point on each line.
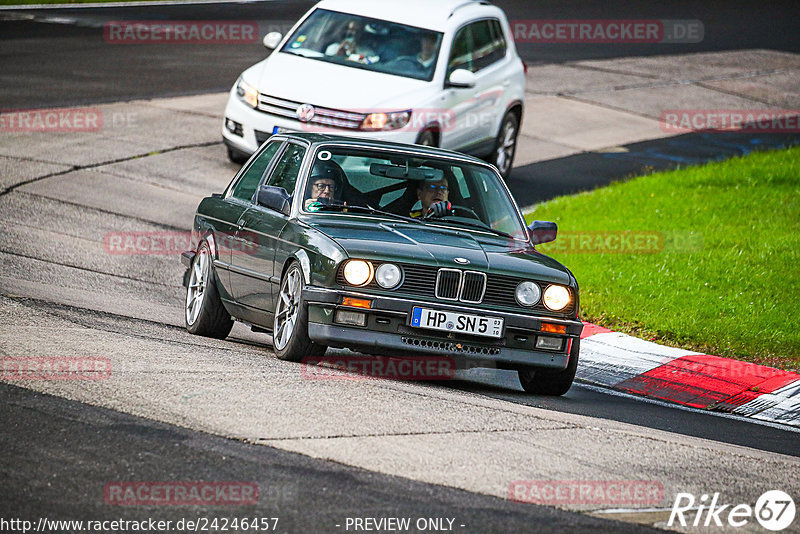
287	168
461	52
248	182
488	42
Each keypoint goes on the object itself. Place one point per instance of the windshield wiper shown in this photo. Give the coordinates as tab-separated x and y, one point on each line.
367	209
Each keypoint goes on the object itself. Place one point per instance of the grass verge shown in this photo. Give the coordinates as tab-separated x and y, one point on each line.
705	258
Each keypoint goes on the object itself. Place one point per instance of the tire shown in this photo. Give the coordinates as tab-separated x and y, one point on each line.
426	138
237	157
505	146
290	329
204	313
546	382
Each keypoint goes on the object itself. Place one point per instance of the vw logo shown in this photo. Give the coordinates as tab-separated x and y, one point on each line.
461	261
305	112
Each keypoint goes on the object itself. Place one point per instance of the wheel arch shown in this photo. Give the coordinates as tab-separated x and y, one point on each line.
516	107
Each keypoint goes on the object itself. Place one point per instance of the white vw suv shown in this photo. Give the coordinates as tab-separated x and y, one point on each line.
431	72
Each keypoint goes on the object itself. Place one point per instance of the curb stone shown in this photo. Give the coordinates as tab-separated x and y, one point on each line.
632	365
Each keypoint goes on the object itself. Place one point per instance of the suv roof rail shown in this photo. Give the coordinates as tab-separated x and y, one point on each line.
469	3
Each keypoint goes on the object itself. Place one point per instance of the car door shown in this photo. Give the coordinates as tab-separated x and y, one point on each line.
480	48
259	228
237	199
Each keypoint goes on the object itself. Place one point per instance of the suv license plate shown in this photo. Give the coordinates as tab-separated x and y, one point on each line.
463	323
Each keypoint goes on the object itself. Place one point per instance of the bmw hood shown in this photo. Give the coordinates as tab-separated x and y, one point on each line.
318	83
442	247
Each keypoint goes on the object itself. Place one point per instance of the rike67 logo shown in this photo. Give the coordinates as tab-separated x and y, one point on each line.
774	510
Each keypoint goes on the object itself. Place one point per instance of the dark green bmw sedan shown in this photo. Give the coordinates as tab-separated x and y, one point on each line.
382	248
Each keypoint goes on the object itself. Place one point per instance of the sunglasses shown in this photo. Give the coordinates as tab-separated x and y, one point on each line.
432	187
323	187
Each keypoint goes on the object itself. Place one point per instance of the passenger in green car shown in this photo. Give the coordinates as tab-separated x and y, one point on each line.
433	197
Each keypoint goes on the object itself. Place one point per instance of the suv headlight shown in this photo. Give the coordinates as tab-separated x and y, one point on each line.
556	297
247	93
386	121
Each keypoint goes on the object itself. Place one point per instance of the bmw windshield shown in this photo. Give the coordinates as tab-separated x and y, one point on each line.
409	187
366	43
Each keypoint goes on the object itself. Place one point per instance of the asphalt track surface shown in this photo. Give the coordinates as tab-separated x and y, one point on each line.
59	453
58	456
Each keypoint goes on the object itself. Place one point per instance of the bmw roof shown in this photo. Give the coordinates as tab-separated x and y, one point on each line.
318	138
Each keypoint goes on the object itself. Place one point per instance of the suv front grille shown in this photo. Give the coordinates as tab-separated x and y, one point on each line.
334	118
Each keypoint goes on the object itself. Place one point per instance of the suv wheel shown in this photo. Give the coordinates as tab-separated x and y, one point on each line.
506	144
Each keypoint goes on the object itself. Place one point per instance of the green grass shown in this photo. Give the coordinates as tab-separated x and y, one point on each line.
727	280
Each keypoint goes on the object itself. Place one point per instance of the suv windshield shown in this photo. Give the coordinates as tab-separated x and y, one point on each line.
352	180
366	43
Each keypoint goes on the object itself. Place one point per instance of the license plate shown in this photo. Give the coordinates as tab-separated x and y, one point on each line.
281	129
462	323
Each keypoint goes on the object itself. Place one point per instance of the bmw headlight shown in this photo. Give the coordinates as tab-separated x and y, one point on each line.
388	275
247	93
528	293
358	272
386	121
556	297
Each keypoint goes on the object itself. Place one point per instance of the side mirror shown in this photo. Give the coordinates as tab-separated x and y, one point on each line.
542	232
272	39
275	198
461	78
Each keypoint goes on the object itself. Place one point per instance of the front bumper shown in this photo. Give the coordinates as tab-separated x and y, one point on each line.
257	126
387	331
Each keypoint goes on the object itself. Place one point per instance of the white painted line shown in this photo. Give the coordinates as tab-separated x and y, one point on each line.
127	4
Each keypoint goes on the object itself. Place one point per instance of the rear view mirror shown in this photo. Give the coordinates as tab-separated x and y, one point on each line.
275	198
404	172
272	39
542	232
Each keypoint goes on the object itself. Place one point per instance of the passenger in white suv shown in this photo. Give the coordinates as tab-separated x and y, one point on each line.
435	73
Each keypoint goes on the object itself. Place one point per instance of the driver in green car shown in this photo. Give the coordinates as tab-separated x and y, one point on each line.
323	185
433	197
